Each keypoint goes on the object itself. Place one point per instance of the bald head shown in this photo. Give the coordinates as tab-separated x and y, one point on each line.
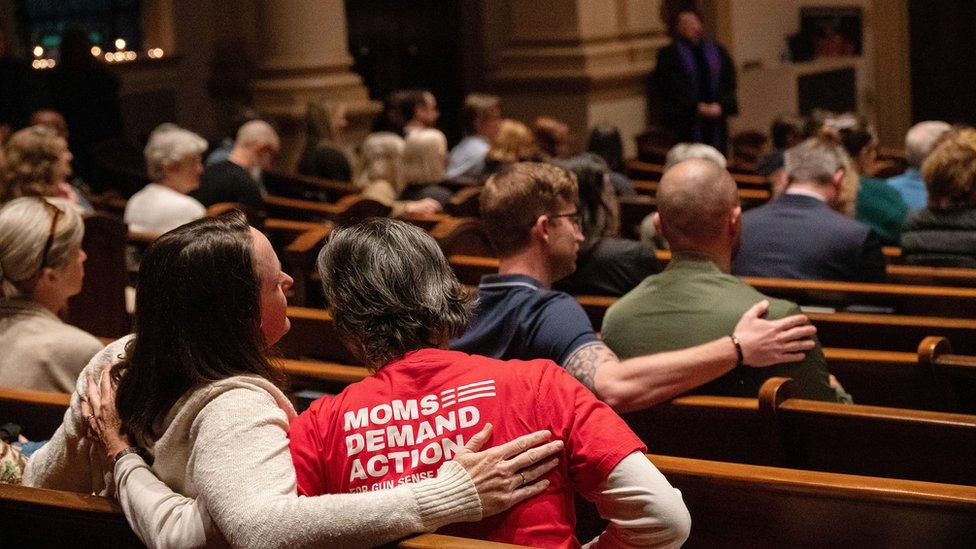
694	202
256	133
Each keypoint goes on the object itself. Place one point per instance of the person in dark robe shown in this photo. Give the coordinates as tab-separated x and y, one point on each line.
696	84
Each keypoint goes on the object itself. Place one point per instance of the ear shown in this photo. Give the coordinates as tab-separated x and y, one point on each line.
540	229
735	220
656	221
838	178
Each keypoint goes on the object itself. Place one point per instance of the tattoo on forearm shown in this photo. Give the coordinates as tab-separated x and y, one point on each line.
583	362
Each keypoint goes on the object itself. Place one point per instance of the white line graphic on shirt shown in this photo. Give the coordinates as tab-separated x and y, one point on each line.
464	393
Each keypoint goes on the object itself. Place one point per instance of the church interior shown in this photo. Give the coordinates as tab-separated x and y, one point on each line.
472	273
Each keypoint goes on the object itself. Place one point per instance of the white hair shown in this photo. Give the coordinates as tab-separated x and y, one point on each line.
921	139
686	151
382	159
424	154
815	160
25	224
170	145
256	132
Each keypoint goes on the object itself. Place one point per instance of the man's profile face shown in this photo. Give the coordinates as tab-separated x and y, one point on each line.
565	237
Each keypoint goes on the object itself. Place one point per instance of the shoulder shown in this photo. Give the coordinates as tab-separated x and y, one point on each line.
780	308
239	401
71	342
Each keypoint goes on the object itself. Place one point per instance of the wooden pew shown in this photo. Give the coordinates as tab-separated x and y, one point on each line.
313	336
325	377
37	517
347	210
100	307
465	203
295	185
892	332
735	505
902	298
298	260
778	430
38	413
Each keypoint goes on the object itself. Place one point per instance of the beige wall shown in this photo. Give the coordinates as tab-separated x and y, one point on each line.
755	33
583	61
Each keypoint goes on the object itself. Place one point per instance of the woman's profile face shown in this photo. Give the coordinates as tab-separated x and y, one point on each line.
274	286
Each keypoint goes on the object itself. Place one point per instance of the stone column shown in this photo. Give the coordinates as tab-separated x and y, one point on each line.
583	61
302	56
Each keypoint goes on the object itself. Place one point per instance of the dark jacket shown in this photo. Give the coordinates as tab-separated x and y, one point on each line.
612	266
940	239
798	236
679	91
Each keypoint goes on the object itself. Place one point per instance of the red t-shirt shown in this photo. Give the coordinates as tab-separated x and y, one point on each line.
400	424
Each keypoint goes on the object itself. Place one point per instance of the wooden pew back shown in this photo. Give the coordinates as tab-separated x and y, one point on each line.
735	505
38	413
100	307
842	438
37	517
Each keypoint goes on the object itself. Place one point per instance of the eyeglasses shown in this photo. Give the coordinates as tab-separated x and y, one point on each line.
56	213
576	218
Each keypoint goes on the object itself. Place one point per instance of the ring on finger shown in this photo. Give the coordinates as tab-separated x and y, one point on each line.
523	479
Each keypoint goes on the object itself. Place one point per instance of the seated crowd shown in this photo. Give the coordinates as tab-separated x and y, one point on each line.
492	409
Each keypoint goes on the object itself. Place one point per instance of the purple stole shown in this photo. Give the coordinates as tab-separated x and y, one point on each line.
714	59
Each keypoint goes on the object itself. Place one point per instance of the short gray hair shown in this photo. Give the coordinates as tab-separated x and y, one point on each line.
390	290
815	160
25	224
687	151
169	145
921	139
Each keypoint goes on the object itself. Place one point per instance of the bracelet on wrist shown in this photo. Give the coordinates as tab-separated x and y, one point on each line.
141	452
738	350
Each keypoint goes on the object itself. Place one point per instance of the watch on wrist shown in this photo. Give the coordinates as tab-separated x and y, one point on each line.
141	452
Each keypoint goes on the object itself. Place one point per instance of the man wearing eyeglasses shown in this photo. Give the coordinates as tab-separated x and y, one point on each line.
530	215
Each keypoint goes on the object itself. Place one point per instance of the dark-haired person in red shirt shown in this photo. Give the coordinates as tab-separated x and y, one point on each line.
396	304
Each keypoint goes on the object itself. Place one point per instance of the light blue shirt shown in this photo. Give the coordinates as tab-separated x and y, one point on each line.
468	157
912	188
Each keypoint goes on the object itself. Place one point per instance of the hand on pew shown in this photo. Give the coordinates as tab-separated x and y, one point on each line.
423	206
768	342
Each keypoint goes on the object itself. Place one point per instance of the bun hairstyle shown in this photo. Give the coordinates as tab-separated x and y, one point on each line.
25	224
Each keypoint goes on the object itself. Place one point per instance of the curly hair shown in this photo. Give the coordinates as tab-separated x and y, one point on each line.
29	159
950	172
391	290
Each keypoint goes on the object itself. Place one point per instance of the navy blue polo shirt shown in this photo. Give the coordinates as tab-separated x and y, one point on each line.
517	317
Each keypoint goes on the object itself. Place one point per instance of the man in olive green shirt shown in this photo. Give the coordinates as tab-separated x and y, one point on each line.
696	299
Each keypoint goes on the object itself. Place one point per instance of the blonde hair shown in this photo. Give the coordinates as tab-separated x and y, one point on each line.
168	146
514	142
950	172
382	160
25	224
424	153
28	163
